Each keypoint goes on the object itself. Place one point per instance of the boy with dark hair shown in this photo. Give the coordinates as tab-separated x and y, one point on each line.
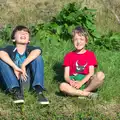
79	68
21	64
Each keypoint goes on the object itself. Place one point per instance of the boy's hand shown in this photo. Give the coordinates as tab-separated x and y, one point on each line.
78	84
17	72
24	73
72	83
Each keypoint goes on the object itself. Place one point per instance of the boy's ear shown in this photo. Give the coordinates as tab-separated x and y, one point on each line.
29	41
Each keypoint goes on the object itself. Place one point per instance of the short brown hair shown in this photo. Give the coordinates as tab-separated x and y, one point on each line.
19	28
80	30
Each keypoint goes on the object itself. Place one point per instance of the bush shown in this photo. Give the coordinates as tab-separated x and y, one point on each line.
59	29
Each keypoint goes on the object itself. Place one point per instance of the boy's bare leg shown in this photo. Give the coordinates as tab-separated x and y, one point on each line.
68	89
95	82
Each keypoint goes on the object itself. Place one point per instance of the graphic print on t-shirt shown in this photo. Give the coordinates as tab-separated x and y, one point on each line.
19	59
80	68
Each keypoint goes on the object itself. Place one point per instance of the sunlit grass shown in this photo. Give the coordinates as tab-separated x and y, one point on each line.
61	107
107	107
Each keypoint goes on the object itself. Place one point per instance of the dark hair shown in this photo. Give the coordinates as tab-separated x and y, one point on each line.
19	28
79	30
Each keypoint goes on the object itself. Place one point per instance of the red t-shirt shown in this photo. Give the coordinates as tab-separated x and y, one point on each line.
79	63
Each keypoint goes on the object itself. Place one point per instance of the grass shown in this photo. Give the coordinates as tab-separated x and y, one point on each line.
106	107
61	107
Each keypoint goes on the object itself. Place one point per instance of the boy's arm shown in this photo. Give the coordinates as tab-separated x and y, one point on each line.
90	74
66	74
6	58
67	77
33	54
87	77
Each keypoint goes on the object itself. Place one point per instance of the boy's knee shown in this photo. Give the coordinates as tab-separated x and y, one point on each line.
39	58
100	76
3	64
62	86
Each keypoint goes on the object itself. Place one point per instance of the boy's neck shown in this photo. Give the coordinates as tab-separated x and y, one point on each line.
21	48
80	51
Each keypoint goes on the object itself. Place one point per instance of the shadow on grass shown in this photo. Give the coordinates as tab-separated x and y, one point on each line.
59	76
59	72
59	93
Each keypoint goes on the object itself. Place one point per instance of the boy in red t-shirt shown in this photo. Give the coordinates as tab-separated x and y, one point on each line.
79	68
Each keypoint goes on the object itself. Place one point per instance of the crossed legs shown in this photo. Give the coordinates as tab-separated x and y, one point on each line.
95	82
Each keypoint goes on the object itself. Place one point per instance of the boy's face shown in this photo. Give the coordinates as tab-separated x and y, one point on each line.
79	41
22	37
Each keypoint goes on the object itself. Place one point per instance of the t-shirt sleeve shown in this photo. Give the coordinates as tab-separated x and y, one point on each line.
93	60
66	61
7	49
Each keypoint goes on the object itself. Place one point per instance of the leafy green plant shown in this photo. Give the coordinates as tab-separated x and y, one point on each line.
59	29
5	33
111	41
70	17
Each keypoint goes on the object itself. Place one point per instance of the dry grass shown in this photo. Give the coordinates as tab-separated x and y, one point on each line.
109	109
29	11
37	11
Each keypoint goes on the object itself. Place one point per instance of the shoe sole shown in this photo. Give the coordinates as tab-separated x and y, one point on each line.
18	101
44	103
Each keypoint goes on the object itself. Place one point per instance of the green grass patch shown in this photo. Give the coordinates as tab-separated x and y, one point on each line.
106	107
